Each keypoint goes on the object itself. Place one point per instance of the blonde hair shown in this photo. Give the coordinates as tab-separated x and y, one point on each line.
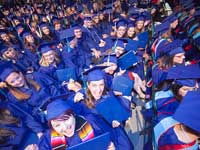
44	63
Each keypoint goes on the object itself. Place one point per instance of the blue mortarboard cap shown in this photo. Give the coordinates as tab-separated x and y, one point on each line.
25	33
95	73
162	28
43	24
170	48
56	108
186	82
171	18
55	20
184	72
66	34
122	84
120	43
75	26
127	60
110	58
6	69
3	48
188	111
66	74
100	142
189	6
88	18
140	18
132	45
131	24
3	31
121	23
176	51
45	47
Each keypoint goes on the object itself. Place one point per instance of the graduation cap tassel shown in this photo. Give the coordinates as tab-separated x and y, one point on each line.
84	81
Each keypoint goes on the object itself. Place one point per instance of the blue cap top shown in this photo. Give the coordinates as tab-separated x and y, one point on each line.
140	18
176	51
6	70
188	111
162	28
95	73
186	82
121	23
183	72
56	108
25	33
110	58
45	47
122	84
3	48
171	18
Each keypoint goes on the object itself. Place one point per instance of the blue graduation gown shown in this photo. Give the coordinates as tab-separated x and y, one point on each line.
118	135
170	139
45	141
51	70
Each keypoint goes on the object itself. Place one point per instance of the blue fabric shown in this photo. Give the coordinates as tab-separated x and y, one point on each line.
56	108
190	117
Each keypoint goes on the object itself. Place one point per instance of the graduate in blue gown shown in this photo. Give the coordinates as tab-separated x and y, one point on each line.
18	130
50	60
26	93
66	128
94	95
182	129
18	58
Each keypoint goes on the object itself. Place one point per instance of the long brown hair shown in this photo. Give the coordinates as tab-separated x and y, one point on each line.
21	95
90	100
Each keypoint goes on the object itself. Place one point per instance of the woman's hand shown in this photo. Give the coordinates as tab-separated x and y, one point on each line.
111	146
78	97
139	85
39	134
31	147
115	123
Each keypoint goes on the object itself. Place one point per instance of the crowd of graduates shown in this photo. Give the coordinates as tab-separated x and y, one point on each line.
72	71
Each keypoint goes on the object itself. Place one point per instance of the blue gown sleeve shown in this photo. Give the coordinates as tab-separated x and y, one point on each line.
44	142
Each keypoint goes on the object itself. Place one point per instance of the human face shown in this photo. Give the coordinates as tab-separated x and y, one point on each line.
140	24
15	79
184	89
89	24
64	127
49	56
96	88
111	69
78	33
57	26
46	30
119	51
10	53
5	37
131	32
30	38
179	58
174	24
121	31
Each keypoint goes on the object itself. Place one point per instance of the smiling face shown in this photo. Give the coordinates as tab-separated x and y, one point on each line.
10	53
179	58
121	31
64	127
15	79
96	88
49	56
